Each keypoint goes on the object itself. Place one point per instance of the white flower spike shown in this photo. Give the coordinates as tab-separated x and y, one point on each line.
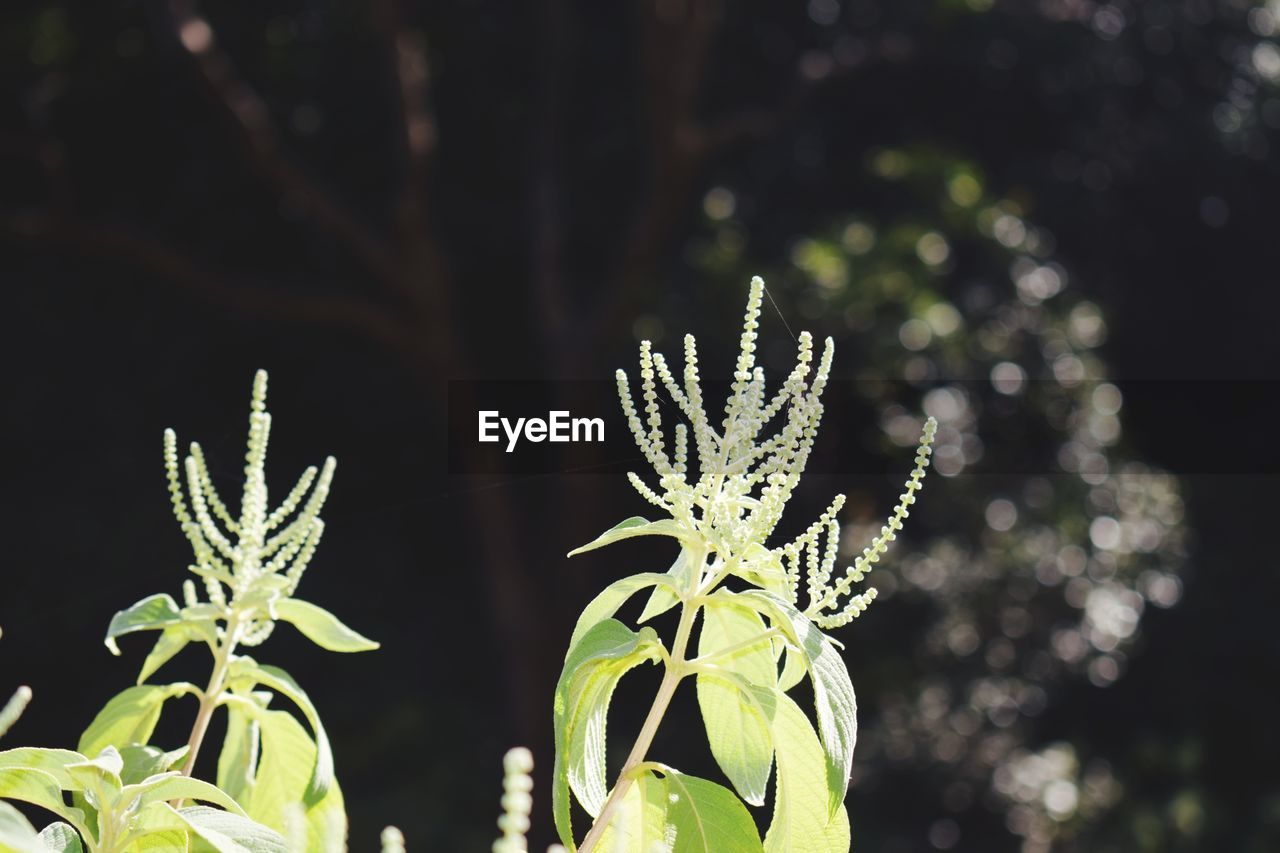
257	554
731	490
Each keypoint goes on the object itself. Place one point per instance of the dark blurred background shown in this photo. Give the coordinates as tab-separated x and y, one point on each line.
1049	224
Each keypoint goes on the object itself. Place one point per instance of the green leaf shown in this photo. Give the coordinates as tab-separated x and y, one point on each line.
51	761
761	567
634	526
738	729
130	717
282	777
245	673
708	818
288	754
229	833
214	830
142	762
591	672
175	786
322	627
175	840
802	821
39	789
17	834
666	596
172	640
238	760
640	824
680	814
98	777
834	703
793	669
608	602
60	837
150	614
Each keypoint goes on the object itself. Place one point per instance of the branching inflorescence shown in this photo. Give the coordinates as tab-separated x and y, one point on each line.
725	484
257	553
745	477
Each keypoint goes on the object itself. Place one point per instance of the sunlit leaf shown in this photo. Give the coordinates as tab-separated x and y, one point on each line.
707	817
666	596
39	789
737	730
18	835
608	602
802	821
238	759
640	823
61	838
322	627
245	673
680	814
834	703
175	786
172	640
150	614
591	672
142	762
218	831
130	717
51	761
634	526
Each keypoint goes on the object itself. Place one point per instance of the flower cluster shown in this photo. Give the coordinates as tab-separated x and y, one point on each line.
268	555
733	494
517	764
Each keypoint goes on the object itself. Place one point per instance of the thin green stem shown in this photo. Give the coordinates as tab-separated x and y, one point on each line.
676	670
209	698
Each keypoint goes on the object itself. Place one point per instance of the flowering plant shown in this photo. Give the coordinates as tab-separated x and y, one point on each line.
756	640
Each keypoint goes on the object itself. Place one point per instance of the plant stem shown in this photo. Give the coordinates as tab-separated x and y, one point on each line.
209	698
675	671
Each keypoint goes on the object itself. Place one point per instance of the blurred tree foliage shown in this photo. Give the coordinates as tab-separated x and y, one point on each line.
958	190
1049	540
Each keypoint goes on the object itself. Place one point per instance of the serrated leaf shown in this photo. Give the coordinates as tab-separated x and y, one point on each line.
835	706
175	786
229	833
591	672
634	526
677	813
213	829
61	838
17	834
738	731
708	818
130	717
246	673
150	614
322	627
608	602
802	821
